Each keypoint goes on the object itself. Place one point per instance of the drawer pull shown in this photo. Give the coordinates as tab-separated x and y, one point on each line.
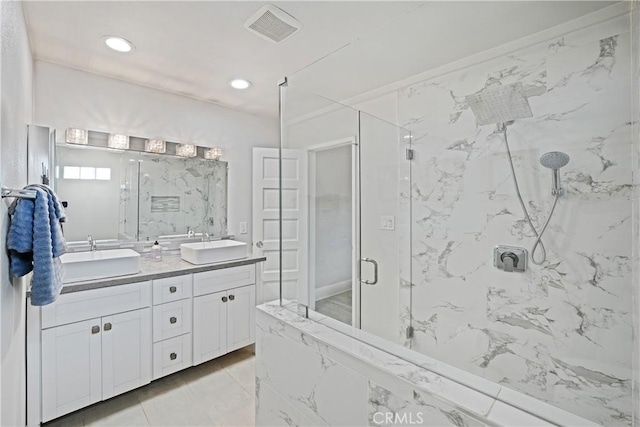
173	356
224	299
95	329
173	319
107	326
232	297
173	289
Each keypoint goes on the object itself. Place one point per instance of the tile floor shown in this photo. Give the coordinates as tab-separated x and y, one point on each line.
217	393
336	306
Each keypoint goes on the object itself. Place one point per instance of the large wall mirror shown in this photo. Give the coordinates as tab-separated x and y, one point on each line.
127	195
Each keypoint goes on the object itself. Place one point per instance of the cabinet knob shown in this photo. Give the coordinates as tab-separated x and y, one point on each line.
95	329
173	356
173	289
224	299
232	297
173	319
107	326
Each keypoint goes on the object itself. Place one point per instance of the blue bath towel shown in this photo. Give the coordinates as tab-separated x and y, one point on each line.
35	243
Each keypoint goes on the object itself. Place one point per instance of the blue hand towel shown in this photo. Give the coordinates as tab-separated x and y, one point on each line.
35	243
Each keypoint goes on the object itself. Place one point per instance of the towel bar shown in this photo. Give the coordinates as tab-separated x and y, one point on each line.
22	194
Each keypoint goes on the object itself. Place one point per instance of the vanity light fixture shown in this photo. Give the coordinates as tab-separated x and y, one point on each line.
119	141
155	146
213	153
77	136
240	84
118	44
186	150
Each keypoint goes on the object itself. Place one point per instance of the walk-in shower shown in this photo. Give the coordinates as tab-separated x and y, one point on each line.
460	167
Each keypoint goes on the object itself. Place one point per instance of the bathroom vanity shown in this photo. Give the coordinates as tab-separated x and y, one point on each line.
105	337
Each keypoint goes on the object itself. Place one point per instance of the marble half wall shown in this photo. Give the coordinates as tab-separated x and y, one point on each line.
562	331
308	374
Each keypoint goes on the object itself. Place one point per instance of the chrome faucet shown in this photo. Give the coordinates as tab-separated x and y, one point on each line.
190	233
92	243
206	237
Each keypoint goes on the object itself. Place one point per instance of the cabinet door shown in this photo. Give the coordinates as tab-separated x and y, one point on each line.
241	317
209	326
126	351
71	373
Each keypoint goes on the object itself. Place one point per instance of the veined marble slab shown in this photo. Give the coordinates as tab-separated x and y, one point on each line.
561	332
306	370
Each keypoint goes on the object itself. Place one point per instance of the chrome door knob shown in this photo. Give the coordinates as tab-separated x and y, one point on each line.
259	244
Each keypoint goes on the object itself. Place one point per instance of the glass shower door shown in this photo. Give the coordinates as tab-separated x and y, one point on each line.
384	228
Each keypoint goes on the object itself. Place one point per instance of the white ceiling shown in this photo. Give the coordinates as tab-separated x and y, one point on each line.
195	48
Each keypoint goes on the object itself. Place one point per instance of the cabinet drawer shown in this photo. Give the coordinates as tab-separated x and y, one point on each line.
171	355
172	289
209	282
171	319
83	305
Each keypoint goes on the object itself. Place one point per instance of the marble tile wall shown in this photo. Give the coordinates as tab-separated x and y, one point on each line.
308	374
201	186
560	332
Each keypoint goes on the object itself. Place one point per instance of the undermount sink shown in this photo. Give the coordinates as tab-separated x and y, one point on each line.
81	266
210	252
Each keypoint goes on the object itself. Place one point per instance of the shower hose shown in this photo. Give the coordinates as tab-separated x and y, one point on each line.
538	243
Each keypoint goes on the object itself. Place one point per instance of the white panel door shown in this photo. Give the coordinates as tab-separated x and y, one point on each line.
71	372
266	226
126	352
209	327
241	317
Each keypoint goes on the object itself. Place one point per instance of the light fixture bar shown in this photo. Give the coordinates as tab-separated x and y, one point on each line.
186	150
77	136
118	141
155	146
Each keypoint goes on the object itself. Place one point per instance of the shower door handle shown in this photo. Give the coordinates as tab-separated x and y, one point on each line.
375	271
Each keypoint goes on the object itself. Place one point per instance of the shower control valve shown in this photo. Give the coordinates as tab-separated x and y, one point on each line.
510	258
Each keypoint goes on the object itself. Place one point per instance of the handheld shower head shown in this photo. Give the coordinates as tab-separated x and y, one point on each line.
554	160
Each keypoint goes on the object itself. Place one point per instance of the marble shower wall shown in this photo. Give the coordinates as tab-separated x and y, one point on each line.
560	332
177	193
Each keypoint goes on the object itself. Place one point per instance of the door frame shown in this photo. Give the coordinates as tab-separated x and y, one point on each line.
355	215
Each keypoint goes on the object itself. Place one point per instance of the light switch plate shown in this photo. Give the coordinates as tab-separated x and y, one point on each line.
243	228
387	222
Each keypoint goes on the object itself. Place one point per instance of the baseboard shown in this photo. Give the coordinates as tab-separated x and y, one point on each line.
333	289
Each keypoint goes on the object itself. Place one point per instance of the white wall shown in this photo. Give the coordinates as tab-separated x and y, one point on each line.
66	97
15	114
333	209
102	198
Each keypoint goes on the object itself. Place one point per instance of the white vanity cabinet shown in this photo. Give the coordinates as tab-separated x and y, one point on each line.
223	311
91	345
88	360
172	320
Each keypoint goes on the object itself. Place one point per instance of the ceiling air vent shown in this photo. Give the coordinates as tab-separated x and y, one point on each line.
273	24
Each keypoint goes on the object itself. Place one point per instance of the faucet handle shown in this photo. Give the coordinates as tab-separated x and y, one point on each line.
510	258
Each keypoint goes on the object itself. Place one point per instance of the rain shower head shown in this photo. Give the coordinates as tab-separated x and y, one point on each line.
500	105
554	160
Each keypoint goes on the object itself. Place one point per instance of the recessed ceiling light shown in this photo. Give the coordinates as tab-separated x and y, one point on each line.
118	44
240	84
